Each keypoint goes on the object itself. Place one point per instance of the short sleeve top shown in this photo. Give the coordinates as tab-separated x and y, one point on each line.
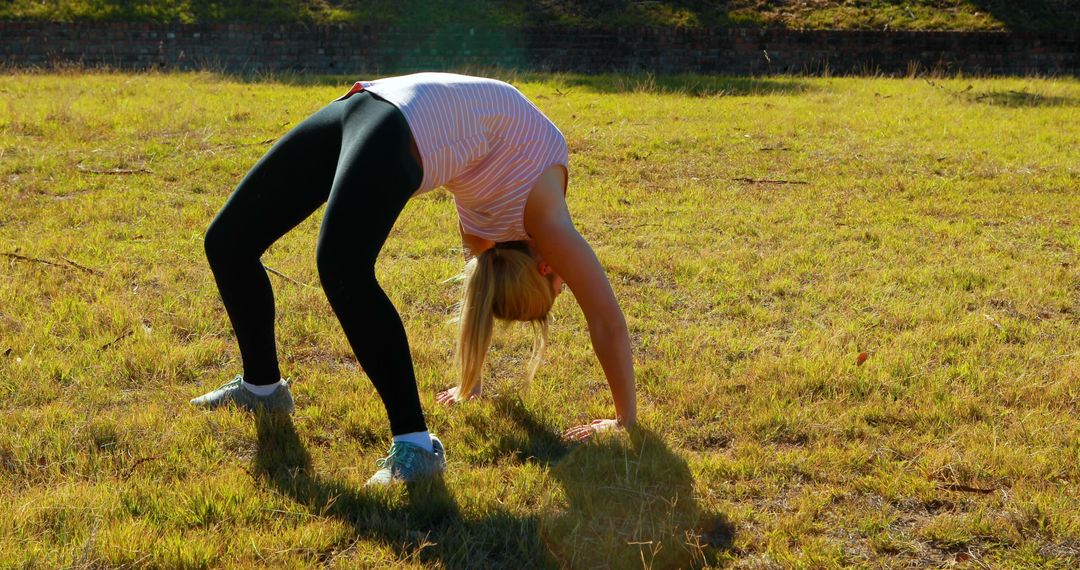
480	138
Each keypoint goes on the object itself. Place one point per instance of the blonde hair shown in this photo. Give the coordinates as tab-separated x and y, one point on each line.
501	283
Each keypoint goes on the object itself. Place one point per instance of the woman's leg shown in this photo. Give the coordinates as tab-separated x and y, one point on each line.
283	188
375	178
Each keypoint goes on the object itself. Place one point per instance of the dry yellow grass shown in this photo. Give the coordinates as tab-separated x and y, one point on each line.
931	226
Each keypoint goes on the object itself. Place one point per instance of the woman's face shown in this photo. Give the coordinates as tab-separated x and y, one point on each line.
557	284
545	269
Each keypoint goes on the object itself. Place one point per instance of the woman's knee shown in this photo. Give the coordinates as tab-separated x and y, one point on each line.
343	268
216	244
224	244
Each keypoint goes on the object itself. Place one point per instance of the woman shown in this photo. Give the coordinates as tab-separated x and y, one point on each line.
364	155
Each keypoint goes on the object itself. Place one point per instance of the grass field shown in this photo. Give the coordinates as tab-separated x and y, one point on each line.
854	305
1028	15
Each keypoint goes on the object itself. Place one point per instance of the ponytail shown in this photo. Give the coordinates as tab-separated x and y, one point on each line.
502	283
476	321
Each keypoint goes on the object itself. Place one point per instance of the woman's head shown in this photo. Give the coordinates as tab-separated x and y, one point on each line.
510	283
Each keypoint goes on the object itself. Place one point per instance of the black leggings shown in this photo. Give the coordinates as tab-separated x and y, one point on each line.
354	156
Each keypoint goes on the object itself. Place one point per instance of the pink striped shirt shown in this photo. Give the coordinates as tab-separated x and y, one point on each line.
481	139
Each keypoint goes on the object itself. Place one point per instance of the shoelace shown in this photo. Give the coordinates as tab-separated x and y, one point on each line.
397	452
230	383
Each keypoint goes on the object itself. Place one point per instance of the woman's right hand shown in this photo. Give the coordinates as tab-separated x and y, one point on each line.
450	396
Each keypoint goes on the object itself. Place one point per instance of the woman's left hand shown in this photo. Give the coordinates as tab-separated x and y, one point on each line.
450	396
578	433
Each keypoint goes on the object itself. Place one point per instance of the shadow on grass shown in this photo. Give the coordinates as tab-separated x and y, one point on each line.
428	523
1006	98
1021	99
1047	15
628	500
402	14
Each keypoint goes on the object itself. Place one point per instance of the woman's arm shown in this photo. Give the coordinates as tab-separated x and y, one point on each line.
548	222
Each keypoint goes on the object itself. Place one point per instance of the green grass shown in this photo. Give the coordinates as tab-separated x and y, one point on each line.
936	230
816	14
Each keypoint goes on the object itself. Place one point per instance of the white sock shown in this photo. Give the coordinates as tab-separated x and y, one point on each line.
421	439
258	390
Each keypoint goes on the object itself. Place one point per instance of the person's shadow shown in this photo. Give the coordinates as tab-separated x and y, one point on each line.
626	501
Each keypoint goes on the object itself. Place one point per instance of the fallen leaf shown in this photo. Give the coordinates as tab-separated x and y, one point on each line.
862	358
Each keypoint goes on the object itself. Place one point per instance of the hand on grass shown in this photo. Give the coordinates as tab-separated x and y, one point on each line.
579	433
450	396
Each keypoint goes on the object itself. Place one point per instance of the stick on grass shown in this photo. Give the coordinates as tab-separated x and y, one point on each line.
82	267
766	181
286	277
35	260
122	336
82	168
71	264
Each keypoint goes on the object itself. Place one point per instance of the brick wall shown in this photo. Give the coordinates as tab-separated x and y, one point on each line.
248	48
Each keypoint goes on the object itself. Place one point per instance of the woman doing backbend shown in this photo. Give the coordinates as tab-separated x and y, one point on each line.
364	155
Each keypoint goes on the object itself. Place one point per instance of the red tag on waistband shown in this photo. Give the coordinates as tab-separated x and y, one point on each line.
356	88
